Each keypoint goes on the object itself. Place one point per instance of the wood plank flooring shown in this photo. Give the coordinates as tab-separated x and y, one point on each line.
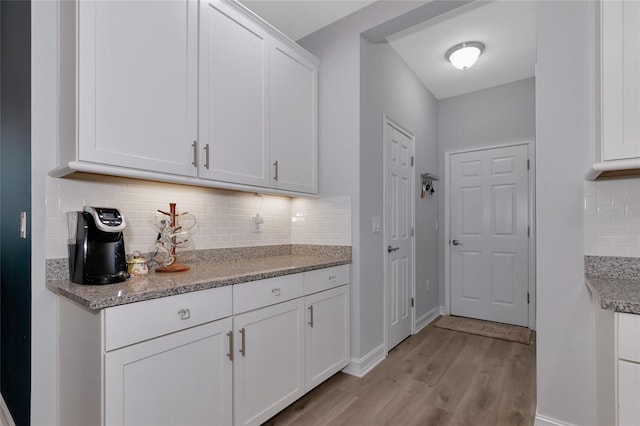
436	378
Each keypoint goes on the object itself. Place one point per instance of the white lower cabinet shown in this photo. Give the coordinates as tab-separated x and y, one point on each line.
326	335
617	367
268	365
230	355
183	378
628	393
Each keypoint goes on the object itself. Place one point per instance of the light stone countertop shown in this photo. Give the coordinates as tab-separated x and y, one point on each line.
616	281
201	276
616	294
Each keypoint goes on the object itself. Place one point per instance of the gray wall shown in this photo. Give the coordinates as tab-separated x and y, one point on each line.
564	130
338	48
499	114
388	86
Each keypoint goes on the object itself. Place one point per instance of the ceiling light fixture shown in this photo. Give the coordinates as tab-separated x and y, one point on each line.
464	55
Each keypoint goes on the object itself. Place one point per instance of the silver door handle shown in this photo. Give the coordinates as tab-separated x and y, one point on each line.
390	249
230	354
456	243
243	349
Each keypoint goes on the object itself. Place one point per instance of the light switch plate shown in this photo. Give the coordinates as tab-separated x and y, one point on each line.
375	224
23	224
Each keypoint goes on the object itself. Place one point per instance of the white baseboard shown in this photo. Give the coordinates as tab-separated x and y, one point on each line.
360	367
5	415
427	318
546	421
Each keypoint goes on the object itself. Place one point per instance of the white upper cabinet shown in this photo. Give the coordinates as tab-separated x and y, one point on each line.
620	32
197	92
137	84
233	96
618	75
293	122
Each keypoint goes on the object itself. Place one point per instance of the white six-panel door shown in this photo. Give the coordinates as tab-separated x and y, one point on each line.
399	151
489	234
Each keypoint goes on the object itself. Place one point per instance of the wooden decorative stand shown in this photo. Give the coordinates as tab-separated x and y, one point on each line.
174	267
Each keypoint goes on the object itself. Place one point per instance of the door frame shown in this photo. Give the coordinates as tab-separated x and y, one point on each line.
386	120
530	143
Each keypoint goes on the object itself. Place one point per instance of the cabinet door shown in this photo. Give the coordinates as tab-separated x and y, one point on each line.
620	96
233	96
137	84
268	370
183	378
293	120
326	335
628	393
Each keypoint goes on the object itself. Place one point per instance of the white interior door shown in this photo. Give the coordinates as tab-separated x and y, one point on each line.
489	234
399	152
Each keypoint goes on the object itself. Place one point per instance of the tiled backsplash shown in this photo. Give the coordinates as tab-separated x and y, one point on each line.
612	217
224	218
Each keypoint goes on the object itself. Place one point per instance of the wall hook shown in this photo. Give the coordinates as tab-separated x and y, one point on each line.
427	184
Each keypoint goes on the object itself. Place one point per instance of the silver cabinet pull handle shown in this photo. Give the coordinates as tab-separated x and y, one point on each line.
390	249
275	164
206	156
230	354
311	316
243	349
456	243
184	313
195	154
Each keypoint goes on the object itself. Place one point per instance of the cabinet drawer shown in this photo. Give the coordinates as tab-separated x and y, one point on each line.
629	337
324	279
128	324
257	294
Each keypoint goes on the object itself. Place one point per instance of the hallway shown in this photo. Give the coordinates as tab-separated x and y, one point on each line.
436	377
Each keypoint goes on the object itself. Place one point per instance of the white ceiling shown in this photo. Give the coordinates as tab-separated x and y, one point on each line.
506	27
299	18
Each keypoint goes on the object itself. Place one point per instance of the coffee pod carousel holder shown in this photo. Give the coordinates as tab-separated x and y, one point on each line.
173	238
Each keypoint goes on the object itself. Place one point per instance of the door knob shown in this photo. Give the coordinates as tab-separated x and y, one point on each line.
390	249
456	243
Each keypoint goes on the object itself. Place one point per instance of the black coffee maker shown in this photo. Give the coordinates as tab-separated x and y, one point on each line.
96	246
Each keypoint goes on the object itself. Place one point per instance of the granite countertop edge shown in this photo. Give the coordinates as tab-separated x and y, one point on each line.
110	295
616	294
615	280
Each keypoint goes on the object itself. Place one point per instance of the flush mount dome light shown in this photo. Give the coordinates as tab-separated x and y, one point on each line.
464	55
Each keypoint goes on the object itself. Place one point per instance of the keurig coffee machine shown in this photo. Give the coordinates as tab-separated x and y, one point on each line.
96	246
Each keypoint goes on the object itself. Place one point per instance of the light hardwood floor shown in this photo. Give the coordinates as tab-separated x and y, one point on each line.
437	377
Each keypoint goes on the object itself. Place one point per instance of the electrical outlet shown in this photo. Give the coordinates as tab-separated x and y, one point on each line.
428	287
257	220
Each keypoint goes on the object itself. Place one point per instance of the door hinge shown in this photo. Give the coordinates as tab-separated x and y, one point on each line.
528	298
528	164
412	160
412	232
412	302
